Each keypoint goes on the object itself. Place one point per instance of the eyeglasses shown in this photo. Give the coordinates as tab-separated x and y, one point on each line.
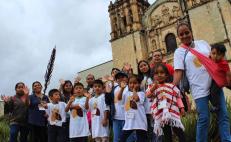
184	33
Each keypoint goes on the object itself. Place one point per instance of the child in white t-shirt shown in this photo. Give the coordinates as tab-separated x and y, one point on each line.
78	106
56	117
99	114
135	115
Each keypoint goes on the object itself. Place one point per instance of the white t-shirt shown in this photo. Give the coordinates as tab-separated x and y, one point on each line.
56	113
134	118
97	107
198	77
79	125
119	107
147	101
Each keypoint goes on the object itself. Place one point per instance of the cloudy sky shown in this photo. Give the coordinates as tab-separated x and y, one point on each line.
29	29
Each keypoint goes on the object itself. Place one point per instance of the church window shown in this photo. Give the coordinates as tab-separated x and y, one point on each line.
170	41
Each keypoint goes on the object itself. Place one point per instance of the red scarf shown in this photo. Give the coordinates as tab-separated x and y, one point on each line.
213	69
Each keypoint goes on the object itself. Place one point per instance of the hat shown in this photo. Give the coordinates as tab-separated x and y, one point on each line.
121	74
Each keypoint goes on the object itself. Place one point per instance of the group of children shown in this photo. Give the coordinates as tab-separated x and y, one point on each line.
129	102
123	104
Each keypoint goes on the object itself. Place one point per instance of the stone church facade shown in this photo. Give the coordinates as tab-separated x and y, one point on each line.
138	28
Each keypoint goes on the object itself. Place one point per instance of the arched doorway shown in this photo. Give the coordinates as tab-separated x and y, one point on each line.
170	41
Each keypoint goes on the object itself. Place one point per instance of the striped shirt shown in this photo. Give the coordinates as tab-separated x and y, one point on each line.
165	106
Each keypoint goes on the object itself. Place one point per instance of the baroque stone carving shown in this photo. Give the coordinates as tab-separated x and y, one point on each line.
151	33
129	17
175	12
191	3
165	15
153	42
121	23
140	14
156	21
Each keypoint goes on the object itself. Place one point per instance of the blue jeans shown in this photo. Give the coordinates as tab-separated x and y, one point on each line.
117	131
223	119
15	129
203	119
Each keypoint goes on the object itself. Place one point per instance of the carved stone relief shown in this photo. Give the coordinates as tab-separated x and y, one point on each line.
165	15
141	13
129	17
153	44
114	24
192	3
122	22
175	11
155	21
118	24
151	34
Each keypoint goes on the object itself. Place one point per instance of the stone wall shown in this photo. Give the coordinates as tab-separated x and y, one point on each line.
98	71
207	23
130	48
212	22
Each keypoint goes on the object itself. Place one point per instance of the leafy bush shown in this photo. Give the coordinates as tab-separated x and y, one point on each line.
189	121
4	129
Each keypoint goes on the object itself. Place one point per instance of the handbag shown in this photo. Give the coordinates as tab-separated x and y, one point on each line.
185	87
184	83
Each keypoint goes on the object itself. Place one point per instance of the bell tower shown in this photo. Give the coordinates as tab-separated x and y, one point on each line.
127	36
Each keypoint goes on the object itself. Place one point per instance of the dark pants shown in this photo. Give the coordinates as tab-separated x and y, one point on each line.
214	97
38	133
66	130
150	132
79	139
168	133
15	129
141	135
56	133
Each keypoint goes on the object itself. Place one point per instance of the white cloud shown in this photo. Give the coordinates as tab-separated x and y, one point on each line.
29	30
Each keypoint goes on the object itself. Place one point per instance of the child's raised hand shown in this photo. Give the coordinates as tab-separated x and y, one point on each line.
108	86
127	66
5	98
72	99
110	78
91	91
135	96
105	78
123	84
26	91
77	79
61	81
154	86
134	92
86	94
